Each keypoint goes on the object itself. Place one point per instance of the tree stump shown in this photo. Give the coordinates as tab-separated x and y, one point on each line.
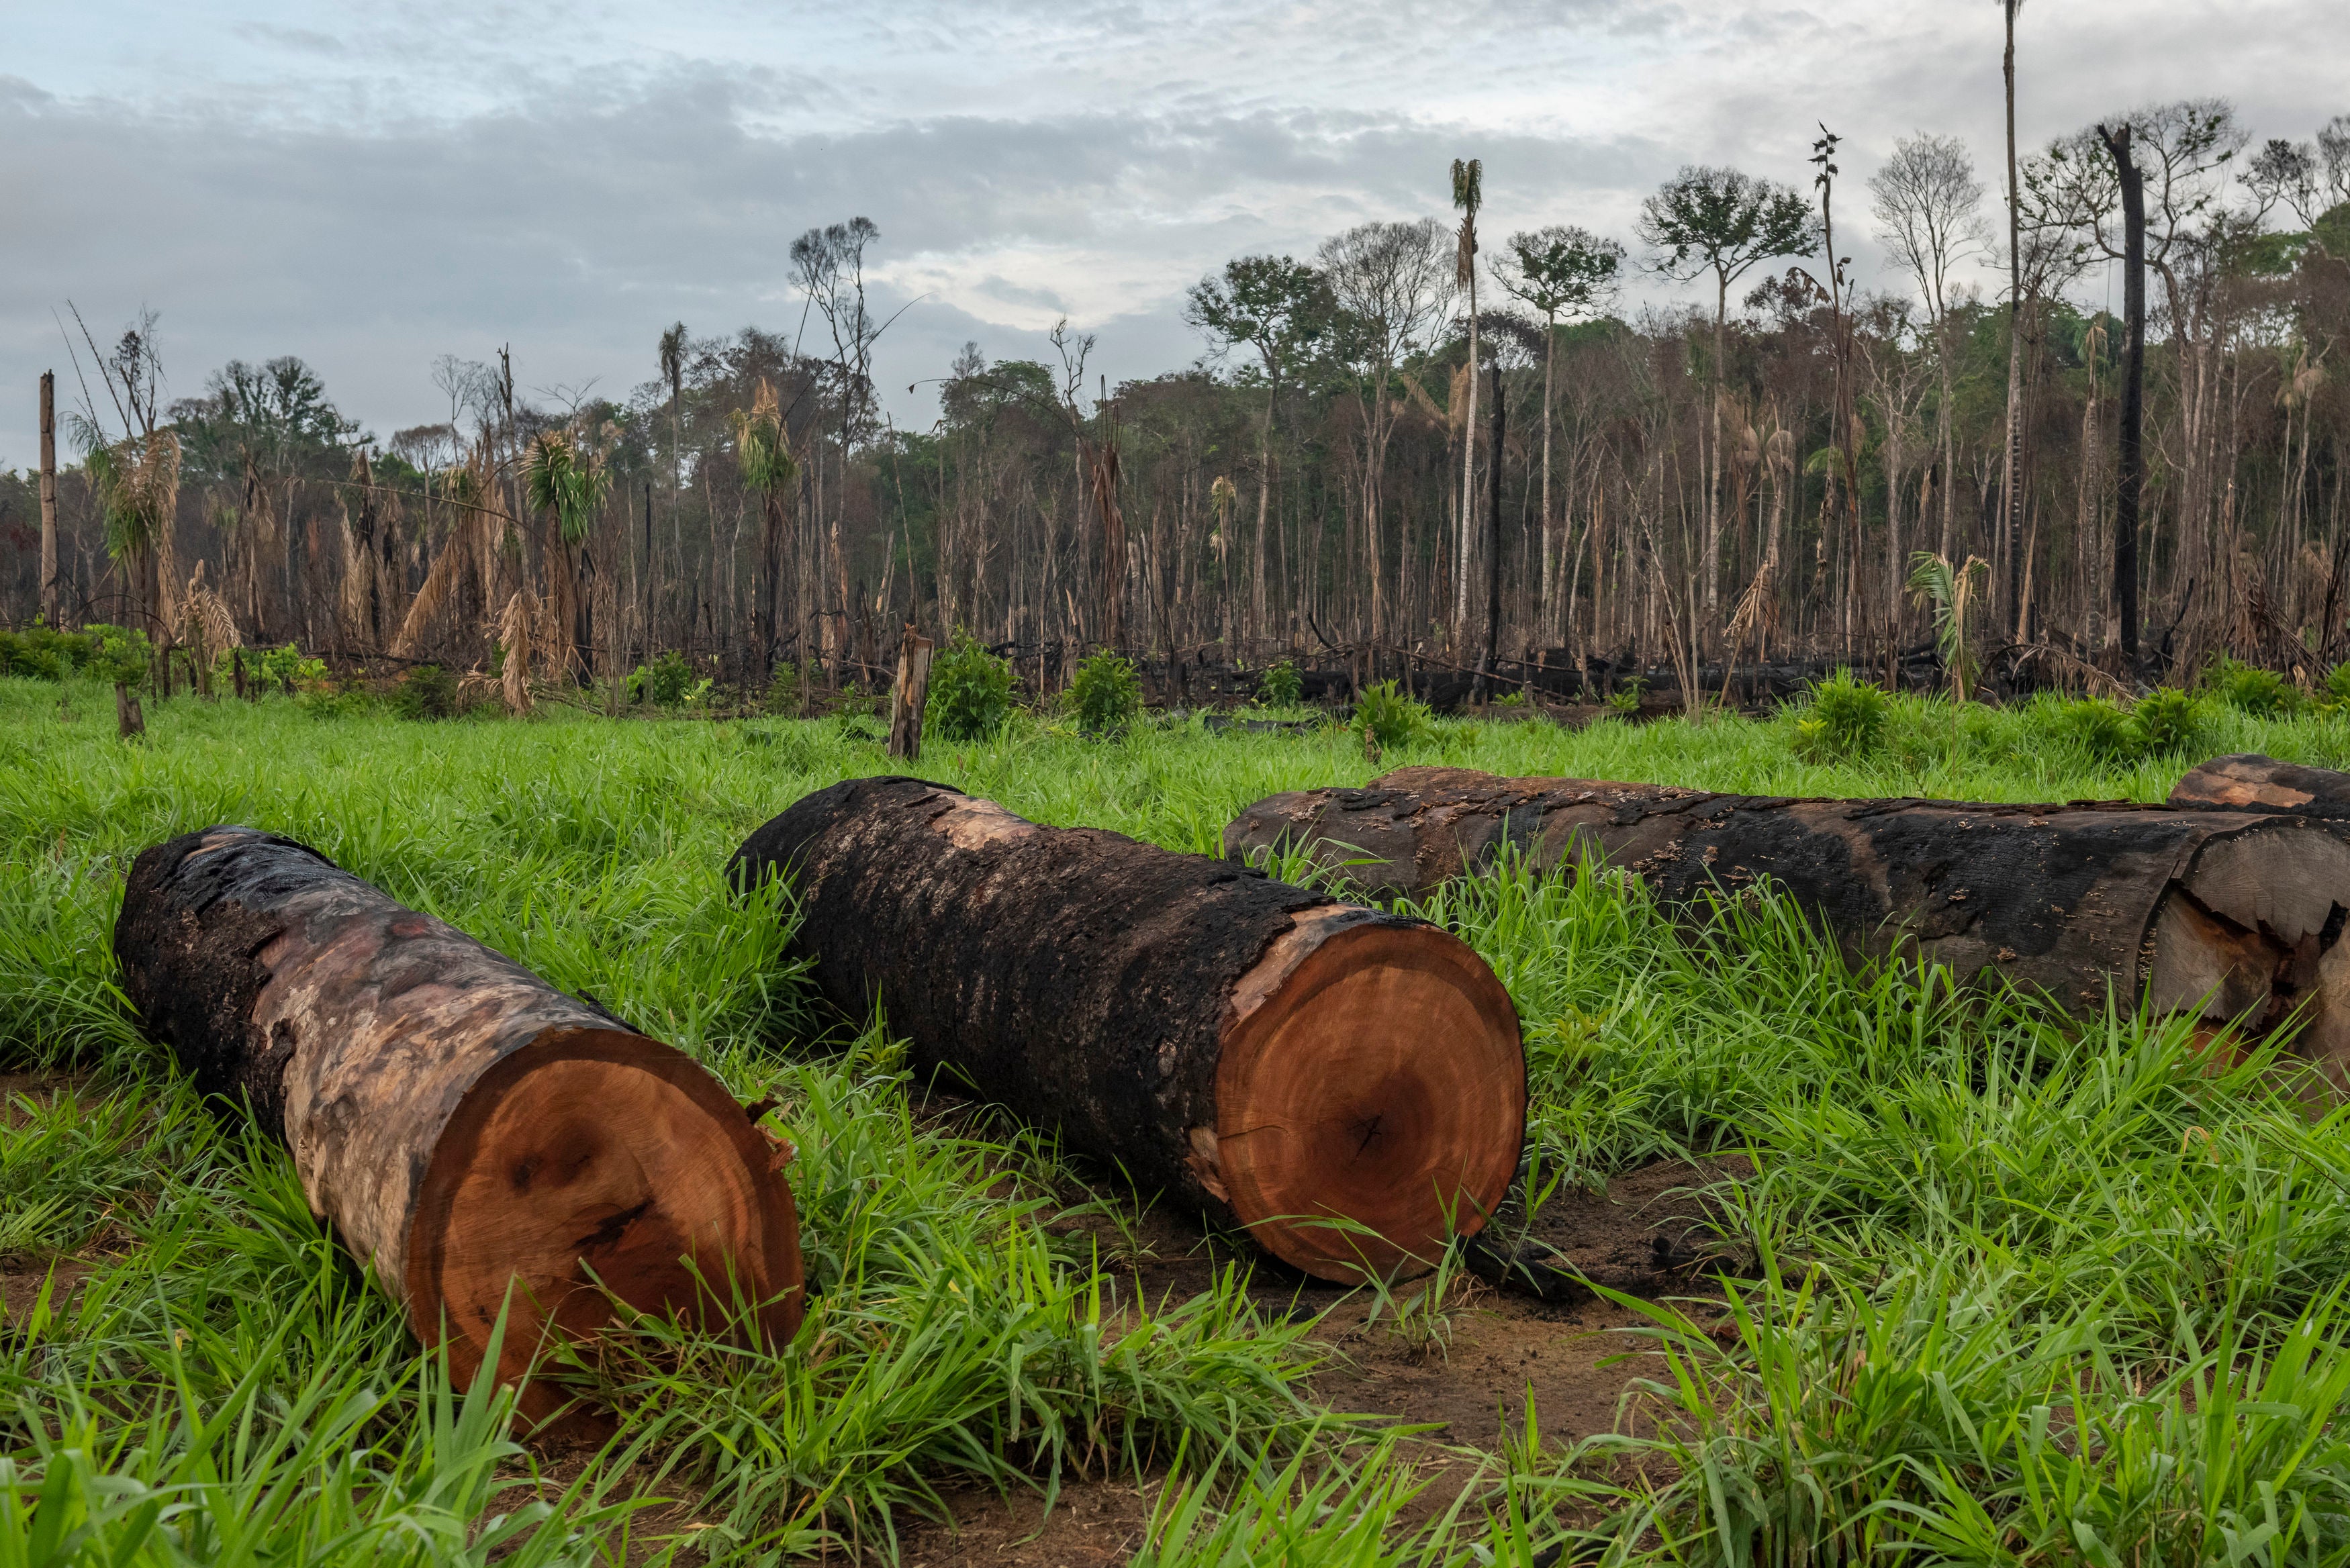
462	1125
2249	780
2223	914
1345	1085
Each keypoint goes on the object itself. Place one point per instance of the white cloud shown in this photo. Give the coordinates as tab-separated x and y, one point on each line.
369	184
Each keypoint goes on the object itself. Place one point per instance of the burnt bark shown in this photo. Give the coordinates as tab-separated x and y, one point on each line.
2225	914
1116	993
462	1125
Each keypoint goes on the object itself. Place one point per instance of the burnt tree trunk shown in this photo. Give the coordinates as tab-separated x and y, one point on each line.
908	694
1347	1085
461	1125
2225	915
2249	780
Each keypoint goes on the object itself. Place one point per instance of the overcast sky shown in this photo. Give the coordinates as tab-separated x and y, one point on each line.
369	185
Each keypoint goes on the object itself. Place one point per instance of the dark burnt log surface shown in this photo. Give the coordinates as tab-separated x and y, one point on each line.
460	1124
1258	1054
2225	914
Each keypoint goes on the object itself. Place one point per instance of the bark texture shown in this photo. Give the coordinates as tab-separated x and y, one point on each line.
460	1124
2246	779
1253	1050
2225	914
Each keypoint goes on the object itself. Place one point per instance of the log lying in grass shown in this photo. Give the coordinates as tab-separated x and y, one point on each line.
2246	779
1261	1053
2223	914
461	1125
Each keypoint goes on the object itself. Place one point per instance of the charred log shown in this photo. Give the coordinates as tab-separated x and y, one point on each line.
2225	915
1345	1085
465	1129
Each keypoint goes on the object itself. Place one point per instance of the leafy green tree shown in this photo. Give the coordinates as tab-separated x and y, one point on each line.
1559	271
1106	693
256	433
1281	308
1723	222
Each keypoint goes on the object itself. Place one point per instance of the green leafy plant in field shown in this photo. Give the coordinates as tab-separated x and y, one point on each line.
121	656
427	692
971	691
1106	693
2248	689
1844	717
2100	728
1390	717
2168	722
1280	686
43	654
1625	699
2334	696
665	681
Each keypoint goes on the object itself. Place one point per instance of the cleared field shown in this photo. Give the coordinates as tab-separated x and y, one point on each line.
2006	1291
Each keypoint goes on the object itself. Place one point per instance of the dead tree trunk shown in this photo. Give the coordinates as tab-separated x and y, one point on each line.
461	1125
1347	1085
2248	779
908	695
2227	915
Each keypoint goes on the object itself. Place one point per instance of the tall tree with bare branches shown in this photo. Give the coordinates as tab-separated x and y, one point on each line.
1724	221
1928	205
1468	195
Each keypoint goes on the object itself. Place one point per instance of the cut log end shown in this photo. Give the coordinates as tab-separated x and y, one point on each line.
594	1161
2252	934
1370	1097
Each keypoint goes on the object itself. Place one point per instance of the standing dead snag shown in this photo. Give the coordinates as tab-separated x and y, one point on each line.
2222	914
1263	1055
909	693
460	1124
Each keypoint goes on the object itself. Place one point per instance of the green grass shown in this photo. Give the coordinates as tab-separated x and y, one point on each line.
2041	1294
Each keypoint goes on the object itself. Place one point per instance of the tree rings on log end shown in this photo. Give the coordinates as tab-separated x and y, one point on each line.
2252	930
590	1161
1370	1096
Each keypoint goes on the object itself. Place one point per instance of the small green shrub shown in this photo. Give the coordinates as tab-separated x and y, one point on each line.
2097	726
2249	689
427	692
2168	721
665	681
121	656
1390	717
971	691
1844	718
1280	686
345	698
2336	696
1106	693
285	666
1626	697
43	655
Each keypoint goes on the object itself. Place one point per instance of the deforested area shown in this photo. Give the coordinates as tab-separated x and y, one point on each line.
1801	1250
1175	785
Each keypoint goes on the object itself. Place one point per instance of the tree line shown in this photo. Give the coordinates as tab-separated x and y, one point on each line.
1426	443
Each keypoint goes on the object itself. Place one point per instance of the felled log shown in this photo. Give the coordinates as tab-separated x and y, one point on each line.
2225	915
462	1125
2246	779
1267	1056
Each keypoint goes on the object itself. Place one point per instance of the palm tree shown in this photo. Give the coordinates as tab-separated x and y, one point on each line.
763	454
1468	195
561	478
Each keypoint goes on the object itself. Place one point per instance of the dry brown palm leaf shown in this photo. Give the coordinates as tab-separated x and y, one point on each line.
516	629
